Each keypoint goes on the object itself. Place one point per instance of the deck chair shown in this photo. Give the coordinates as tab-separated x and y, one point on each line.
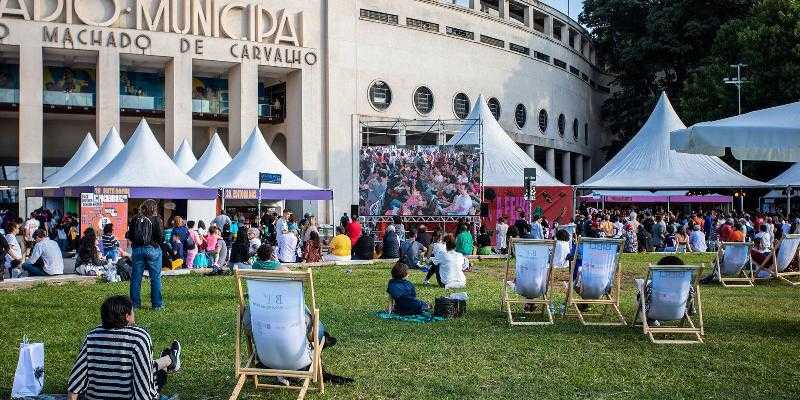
782	257
668	295
532	276
733	266
594	280
276	301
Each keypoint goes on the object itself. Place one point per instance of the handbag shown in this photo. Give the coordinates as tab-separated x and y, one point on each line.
449	308
29	377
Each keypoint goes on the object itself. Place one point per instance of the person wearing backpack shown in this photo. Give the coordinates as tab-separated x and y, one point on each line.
146	235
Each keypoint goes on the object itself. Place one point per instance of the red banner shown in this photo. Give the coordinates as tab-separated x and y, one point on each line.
97	210
554	203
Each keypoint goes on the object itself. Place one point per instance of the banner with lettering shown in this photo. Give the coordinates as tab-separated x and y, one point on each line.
554	203
97	210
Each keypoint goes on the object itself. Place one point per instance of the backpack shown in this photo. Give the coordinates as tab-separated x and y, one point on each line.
142	231
189	243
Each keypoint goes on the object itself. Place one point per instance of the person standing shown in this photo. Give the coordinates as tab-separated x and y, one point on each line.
500	231
354	230
221	220
146	235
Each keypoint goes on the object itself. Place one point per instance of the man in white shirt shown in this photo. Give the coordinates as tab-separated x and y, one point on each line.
14	256
451	264
287	247
500	235
45	260
697	240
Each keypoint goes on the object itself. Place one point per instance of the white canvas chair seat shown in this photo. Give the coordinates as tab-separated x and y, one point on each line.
665	297
278	344
733	265
782	257
596	280
533	266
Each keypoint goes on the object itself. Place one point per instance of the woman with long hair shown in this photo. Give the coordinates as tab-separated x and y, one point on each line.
312	248
88	254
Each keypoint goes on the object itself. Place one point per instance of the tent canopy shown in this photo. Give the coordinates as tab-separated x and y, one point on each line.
771	134
85	152
790	177
184	158
213	160
647	162
658	196
504	162
109	149
256	157
143	163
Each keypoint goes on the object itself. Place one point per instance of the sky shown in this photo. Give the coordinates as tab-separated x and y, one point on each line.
575	6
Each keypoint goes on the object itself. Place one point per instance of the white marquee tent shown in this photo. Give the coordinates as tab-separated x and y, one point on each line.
184	158
256	157
109	149
213	160
82	156
647	162
504	162
771	134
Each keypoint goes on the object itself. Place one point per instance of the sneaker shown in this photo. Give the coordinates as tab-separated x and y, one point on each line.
16	273
175	355
282	381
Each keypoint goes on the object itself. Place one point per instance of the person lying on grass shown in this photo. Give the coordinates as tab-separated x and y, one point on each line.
115	360
403	293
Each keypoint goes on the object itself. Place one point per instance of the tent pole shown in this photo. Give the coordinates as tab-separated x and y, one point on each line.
788	201
667	204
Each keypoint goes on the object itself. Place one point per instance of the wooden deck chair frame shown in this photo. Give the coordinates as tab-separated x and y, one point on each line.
743	279
248	369
791	277
609	300
694	329
509	297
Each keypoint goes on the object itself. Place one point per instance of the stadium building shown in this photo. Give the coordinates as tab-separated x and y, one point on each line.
312	74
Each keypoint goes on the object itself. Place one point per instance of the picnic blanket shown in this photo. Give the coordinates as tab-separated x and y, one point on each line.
423	318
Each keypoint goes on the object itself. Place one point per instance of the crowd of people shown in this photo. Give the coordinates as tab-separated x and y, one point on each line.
419	181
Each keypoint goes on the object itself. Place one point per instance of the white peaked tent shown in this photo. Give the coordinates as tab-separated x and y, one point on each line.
790	177
256	157
85	152
504	162
647	162
771	134
213	160
184	158
109	149
143	163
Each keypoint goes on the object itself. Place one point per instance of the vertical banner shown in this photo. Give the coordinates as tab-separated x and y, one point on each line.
97	210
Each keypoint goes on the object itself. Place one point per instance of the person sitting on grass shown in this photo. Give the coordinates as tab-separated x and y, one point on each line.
410	250
115	360
110	243
265	259
88	256
451	266
312	248
341	248
45	259
484	242
403	293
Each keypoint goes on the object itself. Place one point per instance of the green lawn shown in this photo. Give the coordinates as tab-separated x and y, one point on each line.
750	350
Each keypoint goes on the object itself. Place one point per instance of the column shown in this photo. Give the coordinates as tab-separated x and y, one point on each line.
401	135
550	162
578	169
243	107
587	168
441	139
475	5
31	124
548	25
503	8
178	112
566	169
531	152
304	141
107	98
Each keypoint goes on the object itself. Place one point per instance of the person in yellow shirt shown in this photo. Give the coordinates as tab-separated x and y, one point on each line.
340	246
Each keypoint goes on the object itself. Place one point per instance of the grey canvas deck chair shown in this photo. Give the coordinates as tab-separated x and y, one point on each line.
733	266
594	281
782	257
279	343
533	267
670	295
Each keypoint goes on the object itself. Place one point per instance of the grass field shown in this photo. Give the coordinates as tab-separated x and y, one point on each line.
750	351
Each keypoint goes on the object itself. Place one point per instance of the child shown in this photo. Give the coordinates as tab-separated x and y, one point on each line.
177	247
211	244
266	261
110	243
403	292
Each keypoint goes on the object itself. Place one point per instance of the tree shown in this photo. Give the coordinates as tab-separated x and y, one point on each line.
650	46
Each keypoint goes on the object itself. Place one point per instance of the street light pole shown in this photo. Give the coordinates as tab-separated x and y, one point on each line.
738	81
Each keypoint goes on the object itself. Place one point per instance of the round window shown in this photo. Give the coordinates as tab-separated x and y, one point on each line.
562	124
494	107
461	105
423	100
521	115
543	121
380	95
575	129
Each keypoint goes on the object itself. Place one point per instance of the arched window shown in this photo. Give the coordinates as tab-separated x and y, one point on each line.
380	95
423	100
543	121
575	129
461	105
521	116
562	124
494	107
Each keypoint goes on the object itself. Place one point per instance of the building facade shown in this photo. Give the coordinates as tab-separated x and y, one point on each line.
308	73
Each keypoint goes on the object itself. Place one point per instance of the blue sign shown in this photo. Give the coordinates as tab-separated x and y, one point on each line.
274	179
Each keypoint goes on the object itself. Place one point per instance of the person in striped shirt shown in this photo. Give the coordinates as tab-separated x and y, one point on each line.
115	361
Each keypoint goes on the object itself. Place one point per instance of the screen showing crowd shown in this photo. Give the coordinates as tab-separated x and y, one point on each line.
420	180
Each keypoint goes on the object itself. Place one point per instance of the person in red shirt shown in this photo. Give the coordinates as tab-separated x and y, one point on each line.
353	230
725	231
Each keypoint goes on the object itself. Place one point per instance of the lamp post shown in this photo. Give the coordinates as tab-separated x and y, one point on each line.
738	81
